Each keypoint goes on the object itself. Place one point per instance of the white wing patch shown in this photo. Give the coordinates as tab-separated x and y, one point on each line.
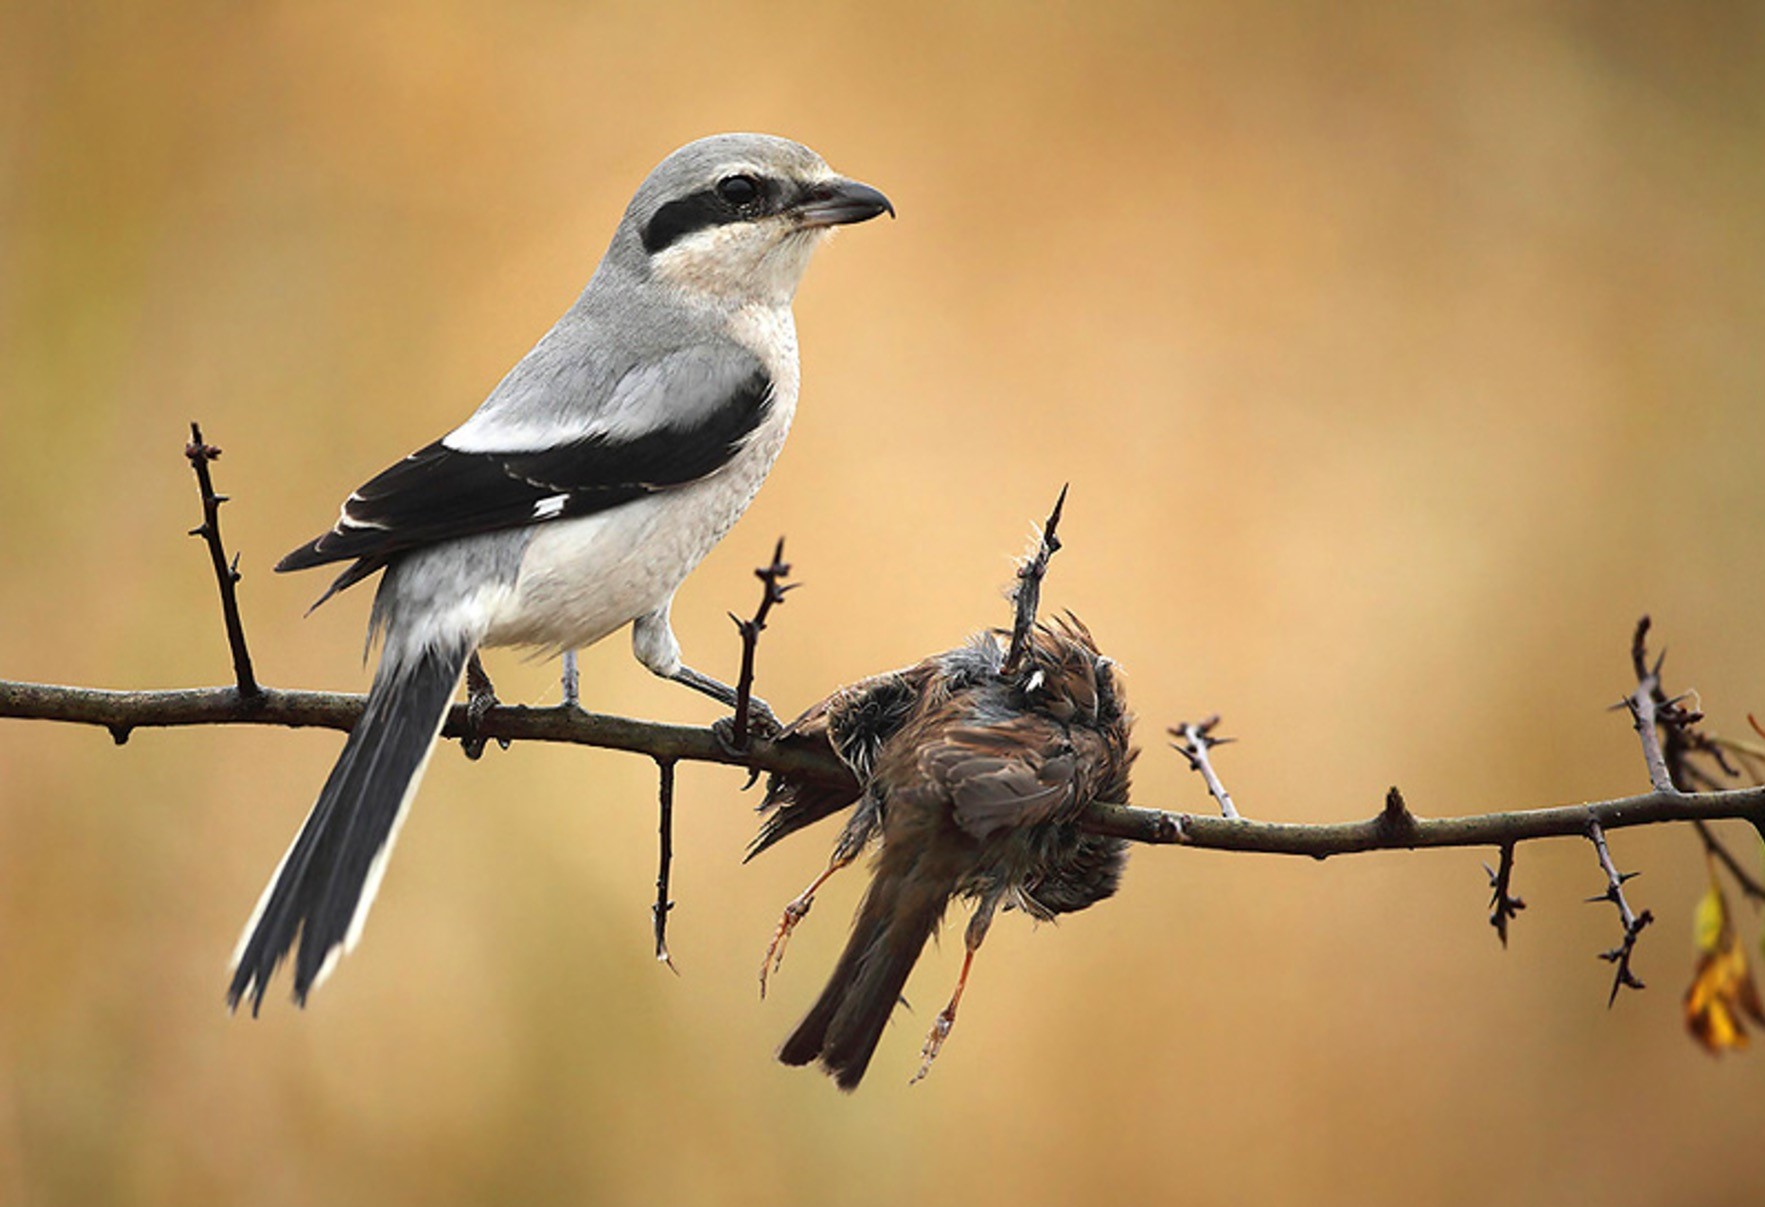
550	508
523	416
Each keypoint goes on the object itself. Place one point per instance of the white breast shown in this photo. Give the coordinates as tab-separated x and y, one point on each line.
582	579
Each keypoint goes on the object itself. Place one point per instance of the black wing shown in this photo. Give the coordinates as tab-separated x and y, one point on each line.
438	492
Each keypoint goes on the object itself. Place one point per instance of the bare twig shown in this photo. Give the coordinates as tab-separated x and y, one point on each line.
1195	739
1748	756
1503	905
772	593
226	573
664	860
122	712
1749	884
1691	759
1672	743
1632	922
1643	704
1026	598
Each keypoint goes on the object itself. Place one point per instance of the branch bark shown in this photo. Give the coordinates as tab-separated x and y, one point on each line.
1321	841
226	573
122	712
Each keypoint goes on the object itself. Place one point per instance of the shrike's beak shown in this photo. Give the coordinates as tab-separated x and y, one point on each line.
839	202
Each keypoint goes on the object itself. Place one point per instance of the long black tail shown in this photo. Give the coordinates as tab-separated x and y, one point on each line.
900	911
328	878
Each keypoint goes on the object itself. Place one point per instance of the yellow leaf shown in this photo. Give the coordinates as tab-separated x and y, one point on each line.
1723	989
1710	922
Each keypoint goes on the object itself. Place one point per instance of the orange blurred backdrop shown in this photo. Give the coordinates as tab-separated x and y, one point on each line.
1398	361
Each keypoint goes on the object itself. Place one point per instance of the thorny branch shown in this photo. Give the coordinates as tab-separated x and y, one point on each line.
1026	598
664	860
1649	708
1679	757
1326	840
1503	905
1195	739
1692	759
772	593
1632	922
226	573
123	712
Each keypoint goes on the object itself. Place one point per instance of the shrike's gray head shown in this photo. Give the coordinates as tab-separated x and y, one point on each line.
735	216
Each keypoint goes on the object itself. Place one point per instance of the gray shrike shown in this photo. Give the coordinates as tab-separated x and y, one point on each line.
574	501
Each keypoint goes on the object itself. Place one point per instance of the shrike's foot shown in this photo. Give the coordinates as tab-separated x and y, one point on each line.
794	913
762	724
762	721
934	1043
480	699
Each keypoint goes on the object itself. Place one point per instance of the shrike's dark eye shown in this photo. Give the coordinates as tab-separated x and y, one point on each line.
738	190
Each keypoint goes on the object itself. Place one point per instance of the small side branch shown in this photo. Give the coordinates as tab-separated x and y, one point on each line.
226	573
1749	884
1632	922
664	860
772	593
1689	759
1026	598
1194	741
1503	905
1668	730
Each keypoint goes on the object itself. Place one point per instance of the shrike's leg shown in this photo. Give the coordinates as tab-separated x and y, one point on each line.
572	681
652	640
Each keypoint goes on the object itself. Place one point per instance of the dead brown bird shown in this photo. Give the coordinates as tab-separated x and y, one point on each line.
974	777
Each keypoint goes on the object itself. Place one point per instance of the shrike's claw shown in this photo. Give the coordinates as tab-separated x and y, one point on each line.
762	724
762	721
723	729
480	699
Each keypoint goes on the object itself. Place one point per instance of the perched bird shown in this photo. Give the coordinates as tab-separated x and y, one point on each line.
574	501
973	773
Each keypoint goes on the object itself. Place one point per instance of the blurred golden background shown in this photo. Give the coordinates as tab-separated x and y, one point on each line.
1398	361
